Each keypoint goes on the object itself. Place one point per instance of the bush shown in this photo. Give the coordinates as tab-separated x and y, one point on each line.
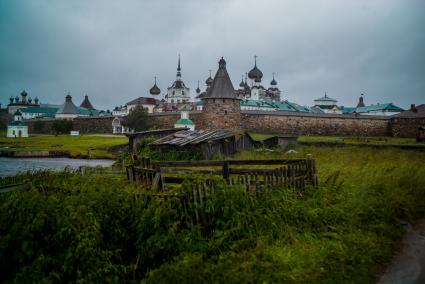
137	119
62	126
39	126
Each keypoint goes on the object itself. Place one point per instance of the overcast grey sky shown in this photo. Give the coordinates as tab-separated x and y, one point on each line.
111	50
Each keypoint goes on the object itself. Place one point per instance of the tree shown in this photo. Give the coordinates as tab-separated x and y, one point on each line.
62	126
137	119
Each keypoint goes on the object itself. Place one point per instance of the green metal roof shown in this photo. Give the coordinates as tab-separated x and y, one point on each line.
255	103
184	122
45	111
377	107
88	112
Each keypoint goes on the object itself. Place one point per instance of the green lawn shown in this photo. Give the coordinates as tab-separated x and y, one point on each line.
98	228
99	145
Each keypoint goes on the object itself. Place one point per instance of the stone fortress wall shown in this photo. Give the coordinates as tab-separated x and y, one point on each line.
266	122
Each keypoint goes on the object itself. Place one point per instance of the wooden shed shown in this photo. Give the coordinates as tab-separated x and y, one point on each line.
280	140
206	142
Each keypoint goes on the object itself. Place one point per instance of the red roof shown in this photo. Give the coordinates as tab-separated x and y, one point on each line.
143	101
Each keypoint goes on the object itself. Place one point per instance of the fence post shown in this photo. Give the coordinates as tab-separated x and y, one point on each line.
226	171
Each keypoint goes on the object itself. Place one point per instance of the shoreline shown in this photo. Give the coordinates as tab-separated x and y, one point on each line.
48	154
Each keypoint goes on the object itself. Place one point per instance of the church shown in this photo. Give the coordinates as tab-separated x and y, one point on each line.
178	92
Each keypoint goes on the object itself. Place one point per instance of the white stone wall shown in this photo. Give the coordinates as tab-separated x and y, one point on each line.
65	116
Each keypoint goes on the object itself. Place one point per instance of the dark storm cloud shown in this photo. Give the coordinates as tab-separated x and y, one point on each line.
111	50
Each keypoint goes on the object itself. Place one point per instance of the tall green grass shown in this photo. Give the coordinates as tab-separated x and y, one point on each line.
94	228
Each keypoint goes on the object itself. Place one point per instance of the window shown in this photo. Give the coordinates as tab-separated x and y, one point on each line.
225	112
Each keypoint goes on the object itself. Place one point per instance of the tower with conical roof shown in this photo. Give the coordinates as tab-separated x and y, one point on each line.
68	110
361	102
221	109
86	103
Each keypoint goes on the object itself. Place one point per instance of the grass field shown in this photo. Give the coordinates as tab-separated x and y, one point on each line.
349	140
99	145
97	228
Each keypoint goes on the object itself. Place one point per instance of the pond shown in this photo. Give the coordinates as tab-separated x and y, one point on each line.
11	166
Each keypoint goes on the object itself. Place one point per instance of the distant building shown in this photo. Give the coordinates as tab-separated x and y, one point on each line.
383	109
21	102
147	103
68	110
327	105
86	103
256	91
17	128
39	112
184	121
178	92
221	106
119	126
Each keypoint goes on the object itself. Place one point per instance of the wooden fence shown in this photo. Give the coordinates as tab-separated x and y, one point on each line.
289	173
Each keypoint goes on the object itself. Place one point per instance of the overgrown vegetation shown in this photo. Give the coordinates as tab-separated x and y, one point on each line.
143	150
97	146
62	126
137	119
349	140
97	228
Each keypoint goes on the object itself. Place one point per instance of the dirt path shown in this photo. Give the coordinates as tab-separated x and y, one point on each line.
408	267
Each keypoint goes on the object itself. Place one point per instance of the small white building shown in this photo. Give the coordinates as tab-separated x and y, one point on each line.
184	121
17	128
328	105
119	126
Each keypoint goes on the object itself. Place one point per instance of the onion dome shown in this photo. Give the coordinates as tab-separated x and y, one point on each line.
155	90
255	73
11	99
36	100
29	100
209	80
23	93
16	99
242	83
197	89
273	82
